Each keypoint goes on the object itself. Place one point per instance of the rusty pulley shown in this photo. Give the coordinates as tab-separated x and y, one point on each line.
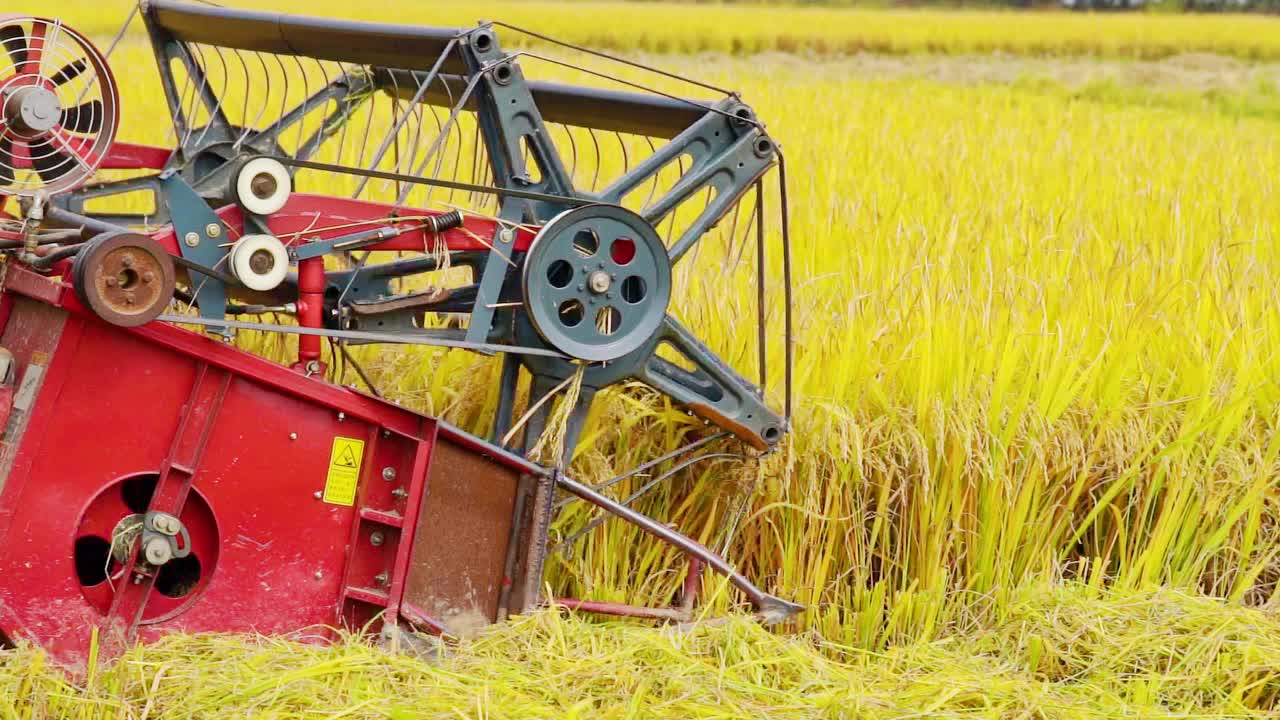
126	278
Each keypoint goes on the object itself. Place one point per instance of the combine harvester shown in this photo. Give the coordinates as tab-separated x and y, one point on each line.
156	478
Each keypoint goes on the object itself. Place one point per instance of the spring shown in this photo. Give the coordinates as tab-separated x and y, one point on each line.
446	221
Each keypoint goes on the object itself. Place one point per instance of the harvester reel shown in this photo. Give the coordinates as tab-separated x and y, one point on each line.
597	282
60	107
503	213
126	278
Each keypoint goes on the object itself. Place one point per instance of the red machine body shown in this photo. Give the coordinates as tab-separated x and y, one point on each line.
307	505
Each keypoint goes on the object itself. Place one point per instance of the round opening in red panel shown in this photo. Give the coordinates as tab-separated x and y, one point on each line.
111	527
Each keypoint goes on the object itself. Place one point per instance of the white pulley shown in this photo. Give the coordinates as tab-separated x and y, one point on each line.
259	262
263	186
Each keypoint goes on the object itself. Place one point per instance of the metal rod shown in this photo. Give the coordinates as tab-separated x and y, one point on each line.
395	131
770	608
652	463
644	490
421	339
786	276
381	175
761	317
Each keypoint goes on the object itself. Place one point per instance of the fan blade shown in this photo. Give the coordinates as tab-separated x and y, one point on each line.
86	118
50	163
14	39
69	72
6	160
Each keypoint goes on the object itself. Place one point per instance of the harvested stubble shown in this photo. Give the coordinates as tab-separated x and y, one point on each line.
1066	652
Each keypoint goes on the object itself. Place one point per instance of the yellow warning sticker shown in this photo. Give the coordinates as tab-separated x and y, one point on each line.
344	471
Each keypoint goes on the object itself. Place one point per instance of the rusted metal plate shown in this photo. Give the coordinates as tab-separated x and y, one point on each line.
31	334
456	573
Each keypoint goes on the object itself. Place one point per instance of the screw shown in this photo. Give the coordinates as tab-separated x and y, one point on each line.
317	494
127	261
319	575
381	578
293	436
148	276
342	416
213	230
386	433
191	239
388	474
506	235
400	493
376	538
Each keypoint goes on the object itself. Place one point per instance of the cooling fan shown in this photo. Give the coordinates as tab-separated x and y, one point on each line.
60	107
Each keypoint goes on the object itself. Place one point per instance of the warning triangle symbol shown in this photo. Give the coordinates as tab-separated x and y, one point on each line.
346	458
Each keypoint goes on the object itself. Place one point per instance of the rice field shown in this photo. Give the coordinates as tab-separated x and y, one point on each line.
1034	470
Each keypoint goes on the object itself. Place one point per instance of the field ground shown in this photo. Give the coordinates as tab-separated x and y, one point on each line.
1035	463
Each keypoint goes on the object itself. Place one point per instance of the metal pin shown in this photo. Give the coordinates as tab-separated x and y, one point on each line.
388	473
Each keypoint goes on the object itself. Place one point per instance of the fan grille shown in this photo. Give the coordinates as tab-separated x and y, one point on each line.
59	106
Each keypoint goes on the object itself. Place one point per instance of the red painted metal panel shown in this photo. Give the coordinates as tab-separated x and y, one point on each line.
238	447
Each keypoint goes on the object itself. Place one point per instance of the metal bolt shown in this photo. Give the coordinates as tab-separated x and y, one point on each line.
319	575
128	299
127	261
293	436
166	523
386	433
388	474
158	551
400	493
342	416
112	282
148	276
506	235
192	239
381	578
599	281
213	230
317	494
376	538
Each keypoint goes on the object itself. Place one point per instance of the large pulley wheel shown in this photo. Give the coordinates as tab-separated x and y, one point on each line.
125	278
597	282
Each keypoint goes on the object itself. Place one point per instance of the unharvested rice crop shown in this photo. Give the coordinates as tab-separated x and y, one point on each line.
1037	341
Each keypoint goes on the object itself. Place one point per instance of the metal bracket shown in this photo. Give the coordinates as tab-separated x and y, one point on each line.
200	233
